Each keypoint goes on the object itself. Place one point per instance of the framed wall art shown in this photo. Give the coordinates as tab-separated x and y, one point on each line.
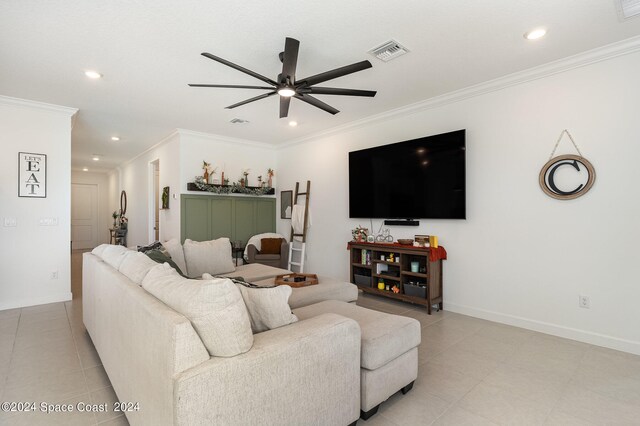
286	200
32	175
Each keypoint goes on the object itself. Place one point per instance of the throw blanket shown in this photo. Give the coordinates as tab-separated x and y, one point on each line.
297	219
438	253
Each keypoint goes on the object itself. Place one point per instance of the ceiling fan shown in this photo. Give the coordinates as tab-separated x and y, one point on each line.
287	86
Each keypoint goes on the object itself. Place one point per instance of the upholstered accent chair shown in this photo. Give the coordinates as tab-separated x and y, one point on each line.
274	257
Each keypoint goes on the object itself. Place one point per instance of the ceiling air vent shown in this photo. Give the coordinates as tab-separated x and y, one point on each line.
388	51
238	121
628	8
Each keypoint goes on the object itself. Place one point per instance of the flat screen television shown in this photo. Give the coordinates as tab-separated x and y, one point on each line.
417	179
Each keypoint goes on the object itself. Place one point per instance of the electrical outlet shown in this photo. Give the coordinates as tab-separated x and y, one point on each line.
584	302
54	275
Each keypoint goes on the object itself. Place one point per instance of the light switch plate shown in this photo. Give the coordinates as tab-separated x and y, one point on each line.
48	221
10	221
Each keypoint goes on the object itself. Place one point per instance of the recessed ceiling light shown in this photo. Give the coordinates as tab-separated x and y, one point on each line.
115	138
535	34
293	123
85	169
92	74
96	158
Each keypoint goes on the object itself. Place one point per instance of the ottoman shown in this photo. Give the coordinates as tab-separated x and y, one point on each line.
326	289
388	353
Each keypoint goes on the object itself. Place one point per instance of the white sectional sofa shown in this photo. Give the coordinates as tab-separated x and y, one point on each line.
304	373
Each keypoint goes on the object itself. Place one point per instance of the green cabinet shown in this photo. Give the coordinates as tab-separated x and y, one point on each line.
207	217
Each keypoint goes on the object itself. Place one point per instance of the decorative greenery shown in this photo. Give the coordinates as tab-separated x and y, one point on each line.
360	233
270	172
234	188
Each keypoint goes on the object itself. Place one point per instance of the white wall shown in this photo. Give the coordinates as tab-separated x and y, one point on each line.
105	220
136	180
232	156
29	253
520	257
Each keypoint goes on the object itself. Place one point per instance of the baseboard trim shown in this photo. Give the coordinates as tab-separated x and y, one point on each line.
549	328
23	303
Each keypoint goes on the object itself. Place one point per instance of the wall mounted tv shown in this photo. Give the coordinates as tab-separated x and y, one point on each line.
417	179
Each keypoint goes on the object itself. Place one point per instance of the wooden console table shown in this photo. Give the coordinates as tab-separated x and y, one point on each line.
366	275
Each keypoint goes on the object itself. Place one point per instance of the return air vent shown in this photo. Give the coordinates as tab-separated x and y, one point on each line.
628	8
388	51
238	121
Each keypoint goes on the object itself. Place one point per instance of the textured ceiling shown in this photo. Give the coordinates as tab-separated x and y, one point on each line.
149	50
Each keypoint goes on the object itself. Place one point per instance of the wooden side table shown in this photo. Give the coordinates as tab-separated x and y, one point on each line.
118	236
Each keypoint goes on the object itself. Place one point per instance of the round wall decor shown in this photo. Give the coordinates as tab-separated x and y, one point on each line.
583	171
576	162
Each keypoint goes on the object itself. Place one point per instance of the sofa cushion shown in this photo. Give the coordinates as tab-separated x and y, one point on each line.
270	245
384	336
252	272
114	255
214	307
213	257
136	265
327	289
99	250
267	306
176	252
156	245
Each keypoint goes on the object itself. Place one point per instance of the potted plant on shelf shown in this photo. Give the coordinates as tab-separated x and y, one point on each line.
246	177
360	234
115	215
205	167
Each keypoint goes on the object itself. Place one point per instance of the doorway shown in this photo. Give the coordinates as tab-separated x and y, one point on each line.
84	216
154	202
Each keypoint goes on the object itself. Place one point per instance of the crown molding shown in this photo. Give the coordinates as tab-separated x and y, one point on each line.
226	139
610	51
68	111
146	151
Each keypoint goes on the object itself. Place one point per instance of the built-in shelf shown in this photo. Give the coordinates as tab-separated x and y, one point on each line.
191	186
360	265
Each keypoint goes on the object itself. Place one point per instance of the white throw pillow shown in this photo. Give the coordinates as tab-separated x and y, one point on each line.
214	307
213	257
174	248
268	306
114	255
136	265
99	250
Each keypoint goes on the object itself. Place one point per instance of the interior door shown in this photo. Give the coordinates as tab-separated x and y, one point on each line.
84	216
156	188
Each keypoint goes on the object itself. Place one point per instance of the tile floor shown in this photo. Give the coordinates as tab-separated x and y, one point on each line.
472	372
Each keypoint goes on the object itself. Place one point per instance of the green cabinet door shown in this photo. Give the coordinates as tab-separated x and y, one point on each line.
207	217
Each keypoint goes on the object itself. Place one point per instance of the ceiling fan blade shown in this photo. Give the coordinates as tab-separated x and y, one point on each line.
239	68
285	101
257	98
317	103
290	59
337	91
338	72
231	86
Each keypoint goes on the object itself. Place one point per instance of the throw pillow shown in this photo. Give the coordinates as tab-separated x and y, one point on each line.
213	257
174	248
161	257
268	306
214	307
156	245
114	255
270	245
135	266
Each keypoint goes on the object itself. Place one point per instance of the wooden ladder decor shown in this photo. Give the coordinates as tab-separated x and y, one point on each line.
297	237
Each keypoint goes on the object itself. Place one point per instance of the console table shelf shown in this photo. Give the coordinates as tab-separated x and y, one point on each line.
429	272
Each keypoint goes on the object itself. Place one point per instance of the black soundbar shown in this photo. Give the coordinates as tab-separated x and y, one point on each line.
402	222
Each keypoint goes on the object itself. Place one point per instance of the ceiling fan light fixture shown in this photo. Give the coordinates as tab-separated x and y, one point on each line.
286	91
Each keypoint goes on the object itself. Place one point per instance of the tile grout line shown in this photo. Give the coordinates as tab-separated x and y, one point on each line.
84	374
